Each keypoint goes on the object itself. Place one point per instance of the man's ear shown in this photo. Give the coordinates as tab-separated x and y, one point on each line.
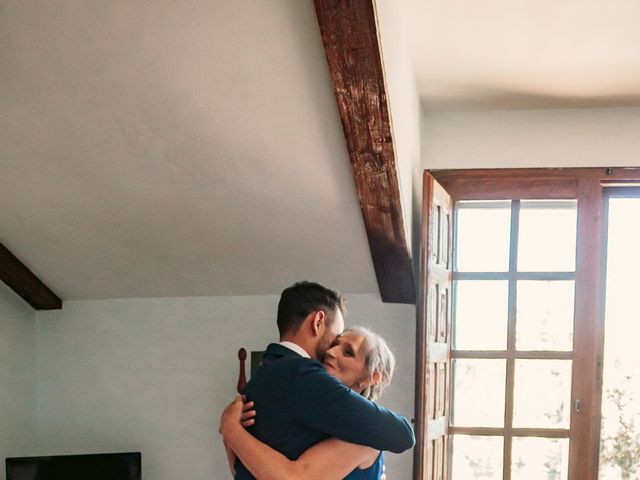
376	377
318	323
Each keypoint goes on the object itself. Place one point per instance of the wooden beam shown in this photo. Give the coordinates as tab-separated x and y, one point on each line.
22	281
350	36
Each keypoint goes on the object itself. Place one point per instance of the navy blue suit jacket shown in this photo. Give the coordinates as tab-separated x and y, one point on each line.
299	404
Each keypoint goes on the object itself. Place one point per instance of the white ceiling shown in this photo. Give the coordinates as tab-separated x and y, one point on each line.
163	148
503	54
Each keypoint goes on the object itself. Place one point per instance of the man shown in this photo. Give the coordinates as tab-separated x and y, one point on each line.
298	403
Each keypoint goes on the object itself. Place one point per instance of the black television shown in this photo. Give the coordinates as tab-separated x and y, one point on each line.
100	466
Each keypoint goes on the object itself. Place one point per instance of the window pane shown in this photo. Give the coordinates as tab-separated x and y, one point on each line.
478	398
547	236
542	393
540	458
481	315
545	315
620	434
476	457
483	236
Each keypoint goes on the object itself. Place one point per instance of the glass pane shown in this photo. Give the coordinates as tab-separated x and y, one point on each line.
620	434
540	458
542	393
481	315
547	236
478	399
483	236
476	457
545	315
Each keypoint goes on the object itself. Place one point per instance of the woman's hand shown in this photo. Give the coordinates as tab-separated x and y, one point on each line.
238	413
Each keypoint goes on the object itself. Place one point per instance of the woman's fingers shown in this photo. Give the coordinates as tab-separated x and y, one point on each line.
248	411
248	414
238	411
247	423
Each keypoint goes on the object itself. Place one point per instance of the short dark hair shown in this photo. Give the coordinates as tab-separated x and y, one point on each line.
303	298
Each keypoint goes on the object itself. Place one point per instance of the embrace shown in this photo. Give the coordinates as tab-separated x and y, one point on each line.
309	411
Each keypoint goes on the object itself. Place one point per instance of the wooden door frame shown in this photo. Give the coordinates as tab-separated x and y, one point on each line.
434	350
588	186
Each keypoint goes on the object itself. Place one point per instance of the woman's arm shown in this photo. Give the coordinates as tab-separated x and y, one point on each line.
231	458
331	459
246	420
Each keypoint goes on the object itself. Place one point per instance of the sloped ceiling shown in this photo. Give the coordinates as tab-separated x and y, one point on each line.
174	149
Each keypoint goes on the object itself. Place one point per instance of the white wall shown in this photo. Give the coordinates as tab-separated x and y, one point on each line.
531	138
404	105
154	374
16	375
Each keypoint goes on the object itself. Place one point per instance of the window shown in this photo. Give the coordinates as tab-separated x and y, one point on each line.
620	432
510	333
512	338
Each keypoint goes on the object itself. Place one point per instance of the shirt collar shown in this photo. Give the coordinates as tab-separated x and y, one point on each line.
296	348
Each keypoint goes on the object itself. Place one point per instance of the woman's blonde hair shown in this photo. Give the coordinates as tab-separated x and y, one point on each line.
378	358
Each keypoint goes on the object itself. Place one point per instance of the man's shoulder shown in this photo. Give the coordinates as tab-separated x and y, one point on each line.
279	364
281	355
283	368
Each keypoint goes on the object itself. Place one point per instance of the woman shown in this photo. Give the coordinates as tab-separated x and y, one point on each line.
361	360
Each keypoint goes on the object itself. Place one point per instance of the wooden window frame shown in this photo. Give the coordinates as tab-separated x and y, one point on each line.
589	186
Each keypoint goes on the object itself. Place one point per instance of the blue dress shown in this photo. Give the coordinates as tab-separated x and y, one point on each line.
374	472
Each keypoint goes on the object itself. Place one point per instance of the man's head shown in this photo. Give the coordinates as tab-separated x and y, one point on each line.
311	316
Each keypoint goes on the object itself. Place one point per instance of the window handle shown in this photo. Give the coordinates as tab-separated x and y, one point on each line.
578	405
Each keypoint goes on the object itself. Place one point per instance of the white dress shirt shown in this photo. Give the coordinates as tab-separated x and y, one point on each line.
296	348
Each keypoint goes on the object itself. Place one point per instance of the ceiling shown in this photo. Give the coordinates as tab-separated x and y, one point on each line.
162	148
524	54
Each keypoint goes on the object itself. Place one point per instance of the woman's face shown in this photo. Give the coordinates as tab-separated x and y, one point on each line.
345	360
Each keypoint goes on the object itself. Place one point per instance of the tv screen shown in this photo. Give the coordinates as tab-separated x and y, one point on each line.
103	466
